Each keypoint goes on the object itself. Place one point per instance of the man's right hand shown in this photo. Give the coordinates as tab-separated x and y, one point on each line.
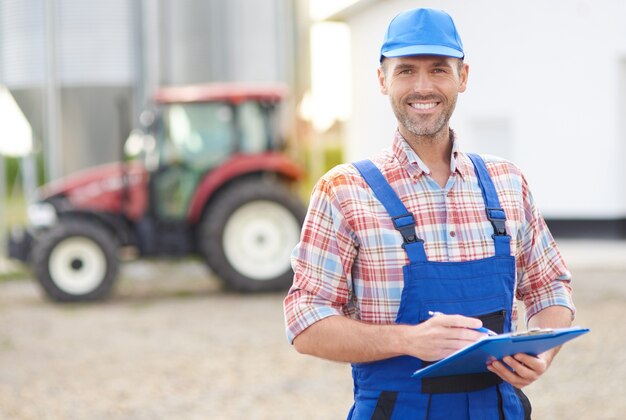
440	336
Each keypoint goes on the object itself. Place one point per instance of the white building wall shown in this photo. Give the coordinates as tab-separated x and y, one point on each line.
547	90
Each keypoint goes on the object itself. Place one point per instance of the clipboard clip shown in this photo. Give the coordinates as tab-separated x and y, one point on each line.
533	331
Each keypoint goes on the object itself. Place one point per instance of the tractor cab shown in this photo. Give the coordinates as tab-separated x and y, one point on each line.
194	130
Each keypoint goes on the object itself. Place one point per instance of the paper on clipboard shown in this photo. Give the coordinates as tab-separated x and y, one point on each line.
474	358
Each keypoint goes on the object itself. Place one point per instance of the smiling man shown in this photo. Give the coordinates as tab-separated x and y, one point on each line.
419	229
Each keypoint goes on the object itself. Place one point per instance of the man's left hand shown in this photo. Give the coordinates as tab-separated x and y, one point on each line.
521	369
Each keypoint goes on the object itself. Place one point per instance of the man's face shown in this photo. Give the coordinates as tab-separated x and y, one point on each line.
423	91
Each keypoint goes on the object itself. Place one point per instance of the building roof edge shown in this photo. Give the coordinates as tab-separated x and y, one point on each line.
349	12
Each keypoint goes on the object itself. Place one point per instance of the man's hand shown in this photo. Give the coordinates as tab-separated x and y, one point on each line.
521	369
440	336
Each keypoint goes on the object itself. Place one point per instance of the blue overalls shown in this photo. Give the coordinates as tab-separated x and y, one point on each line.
481	288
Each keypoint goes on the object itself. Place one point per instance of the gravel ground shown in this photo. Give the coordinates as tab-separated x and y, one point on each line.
170	344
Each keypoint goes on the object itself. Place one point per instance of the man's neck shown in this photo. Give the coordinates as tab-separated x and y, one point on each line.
432	150
435	151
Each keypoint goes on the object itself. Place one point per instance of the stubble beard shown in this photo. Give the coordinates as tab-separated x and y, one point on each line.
427	126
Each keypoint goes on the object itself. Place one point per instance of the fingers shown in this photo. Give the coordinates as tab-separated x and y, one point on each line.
445	334
536	364
456	328
435	338
519	370
458	321
466	335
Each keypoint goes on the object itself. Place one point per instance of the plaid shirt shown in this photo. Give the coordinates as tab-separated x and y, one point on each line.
349	259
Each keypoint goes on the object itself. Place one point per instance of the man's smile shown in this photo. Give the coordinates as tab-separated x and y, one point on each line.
423	106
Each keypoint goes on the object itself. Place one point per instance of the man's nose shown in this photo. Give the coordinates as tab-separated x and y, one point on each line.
422	82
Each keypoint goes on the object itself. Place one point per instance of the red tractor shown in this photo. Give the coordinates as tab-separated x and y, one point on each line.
208	179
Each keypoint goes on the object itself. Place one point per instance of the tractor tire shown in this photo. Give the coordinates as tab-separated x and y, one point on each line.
76	260
247	234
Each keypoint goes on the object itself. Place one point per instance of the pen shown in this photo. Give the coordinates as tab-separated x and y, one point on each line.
481	329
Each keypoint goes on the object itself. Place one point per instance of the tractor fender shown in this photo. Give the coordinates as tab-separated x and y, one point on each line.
237	167
113	223
22	239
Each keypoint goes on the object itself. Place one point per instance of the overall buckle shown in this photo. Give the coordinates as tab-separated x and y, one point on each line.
497	217
405	224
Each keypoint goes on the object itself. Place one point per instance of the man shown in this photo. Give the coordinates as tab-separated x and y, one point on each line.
425	228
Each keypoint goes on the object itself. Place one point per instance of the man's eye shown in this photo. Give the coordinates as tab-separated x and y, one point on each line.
439	71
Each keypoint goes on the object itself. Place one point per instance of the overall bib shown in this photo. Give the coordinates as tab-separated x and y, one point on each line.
480	288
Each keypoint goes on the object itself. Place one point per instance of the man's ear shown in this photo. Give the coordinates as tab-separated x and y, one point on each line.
381	81
463	76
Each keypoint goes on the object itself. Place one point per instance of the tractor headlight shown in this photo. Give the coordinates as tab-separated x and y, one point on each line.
41	215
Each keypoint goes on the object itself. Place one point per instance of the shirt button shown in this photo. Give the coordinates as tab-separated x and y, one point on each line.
452	233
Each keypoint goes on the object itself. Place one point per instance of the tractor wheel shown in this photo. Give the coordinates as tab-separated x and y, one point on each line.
247	235
75	260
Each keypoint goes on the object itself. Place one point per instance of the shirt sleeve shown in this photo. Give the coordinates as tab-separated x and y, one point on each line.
322	262
543	279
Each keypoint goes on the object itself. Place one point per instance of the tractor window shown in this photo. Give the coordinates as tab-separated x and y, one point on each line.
253	126
195	139
199	136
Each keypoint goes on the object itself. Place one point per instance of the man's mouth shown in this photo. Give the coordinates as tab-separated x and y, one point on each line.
423	106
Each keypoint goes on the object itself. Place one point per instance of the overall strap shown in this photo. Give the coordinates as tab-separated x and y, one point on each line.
402	219
495	213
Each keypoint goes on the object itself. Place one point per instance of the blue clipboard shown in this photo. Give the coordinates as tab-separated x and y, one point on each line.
474	358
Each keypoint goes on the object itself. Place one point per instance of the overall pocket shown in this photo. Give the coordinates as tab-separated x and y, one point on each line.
471	382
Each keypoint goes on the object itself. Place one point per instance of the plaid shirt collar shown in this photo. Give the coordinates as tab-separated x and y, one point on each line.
407	158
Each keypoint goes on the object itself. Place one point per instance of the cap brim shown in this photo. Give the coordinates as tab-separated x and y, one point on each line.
424	50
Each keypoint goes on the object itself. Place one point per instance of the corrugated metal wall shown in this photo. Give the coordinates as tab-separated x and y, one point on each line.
93	42
234	40
97	62
94	45
21	42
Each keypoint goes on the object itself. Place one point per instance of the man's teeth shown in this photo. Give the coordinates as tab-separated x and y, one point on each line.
424	106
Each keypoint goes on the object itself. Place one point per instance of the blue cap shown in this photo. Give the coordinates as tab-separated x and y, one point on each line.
422	32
